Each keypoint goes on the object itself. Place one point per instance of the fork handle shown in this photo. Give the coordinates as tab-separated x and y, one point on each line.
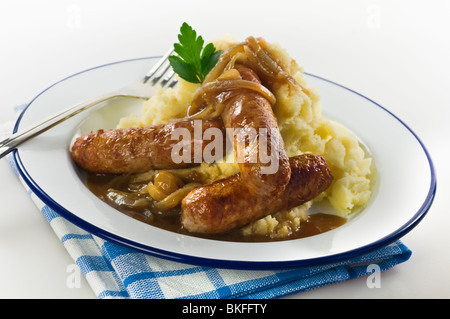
20	137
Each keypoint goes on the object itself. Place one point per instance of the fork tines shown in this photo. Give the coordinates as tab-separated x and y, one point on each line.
162	72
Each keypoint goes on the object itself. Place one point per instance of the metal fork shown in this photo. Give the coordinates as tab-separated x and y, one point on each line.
161	73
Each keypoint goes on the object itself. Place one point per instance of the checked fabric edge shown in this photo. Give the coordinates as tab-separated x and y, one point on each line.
82	248
320	276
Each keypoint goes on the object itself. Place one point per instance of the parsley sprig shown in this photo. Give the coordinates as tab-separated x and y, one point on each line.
194	61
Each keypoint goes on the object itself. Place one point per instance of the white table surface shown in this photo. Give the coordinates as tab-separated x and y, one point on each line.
394	52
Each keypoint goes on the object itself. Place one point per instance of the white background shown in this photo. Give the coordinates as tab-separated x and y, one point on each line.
394	52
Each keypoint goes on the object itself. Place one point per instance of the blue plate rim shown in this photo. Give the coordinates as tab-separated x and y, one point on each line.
221	263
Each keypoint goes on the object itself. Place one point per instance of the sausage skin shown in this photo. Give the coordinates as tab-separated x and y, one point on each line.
135	150
226	204
248	114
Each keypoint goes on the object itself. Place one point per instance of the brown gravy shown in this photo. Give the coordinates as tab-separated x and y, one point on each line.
118	193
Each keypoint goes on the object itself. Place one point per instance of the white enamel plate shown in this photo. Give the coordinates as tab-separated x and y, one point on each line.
407	180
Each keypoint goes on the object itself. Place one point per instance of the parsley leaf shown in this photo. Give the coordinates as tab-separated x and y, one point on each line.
193	62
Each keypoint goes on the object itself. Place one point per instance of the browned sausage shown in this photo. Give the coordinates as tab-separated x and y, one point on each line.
226	204
134	150
249	114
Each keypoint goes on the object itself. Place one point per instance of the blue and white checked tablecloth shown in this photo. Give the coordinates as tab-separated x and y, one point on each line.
116	271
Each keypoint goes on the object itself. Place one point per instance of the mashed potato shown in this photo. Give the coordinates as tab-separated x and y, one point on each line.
303	129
